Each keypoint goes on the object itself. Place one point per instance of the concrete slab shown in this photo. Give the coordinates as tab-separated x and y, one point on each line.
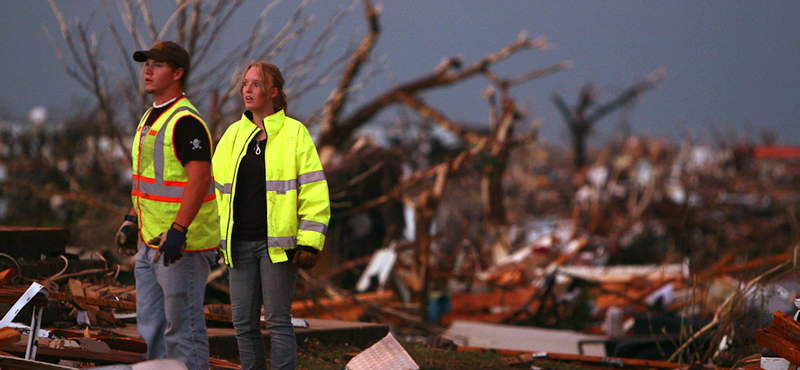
518	338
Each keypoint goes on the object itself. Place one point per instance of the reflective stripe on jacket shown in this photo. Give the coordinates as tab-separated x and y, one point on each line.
159	180
298	204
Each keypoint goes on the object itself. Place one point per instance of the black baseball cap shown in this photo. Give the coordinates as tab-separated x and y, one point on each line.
165	51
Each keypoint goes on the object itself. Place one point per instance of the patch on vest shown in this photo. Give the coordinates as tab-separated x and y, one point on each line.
145	130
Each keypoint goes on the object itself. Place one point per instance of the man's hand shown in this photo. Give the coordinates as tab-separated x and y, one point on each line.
171	244
127	238
305	257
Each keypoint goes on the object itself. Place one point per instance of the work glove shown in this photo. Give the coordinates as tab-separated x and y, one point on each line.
171	244
127	238
305	257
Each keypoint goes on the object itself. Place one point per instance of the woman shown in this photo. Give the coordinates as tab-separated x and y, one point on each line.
268	228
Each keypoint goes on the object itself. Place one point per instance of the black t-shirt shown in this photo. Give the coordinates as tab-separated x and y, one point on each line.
190	140
250	201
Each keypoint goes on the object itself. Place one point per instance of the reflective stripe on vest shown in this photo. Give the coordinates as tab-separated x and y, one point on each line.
156	188
160	180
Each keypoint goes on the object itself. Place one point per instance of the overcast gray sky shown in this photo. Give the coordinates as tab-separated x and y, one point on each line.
730	64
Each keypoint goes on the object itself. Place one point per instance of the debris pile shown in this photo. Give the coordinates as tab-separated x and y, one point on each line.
648	253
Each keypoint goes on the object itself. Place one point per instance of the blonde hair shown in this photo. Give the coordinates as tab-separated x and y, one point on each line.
272	77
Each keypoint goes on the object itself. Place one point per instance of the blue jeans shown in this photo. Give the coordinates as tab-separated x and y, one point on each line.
253	279
169	306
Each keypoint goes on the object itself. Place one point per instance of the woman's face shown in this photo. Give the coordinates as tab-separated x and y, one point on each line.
253	87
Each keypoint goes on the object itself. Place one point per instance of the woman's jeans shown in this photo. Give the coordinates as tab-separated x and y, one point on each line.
254	278
169	306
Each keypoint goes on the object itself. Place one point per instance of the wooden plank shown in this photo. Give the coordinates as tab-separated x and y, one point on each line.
483	301
100	302
776	344
787	323
12	296
776	152
107	317
76	288
114	339
306	308
217	364
748	367
782	332
768	261
5	276
9	362
628	362
716	268
76	354
9	336
625	361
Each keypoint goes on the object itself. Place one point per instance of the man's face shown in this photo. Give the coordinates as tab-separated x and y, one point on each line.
158	76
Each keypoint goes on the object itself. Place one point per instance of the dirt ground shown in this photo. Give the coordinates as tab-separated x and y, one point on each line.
314	355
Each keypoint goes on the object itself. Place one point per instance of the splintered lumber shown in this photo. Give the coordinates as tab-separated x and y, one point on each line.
115	340
717	268
754	264
12	292
748	367
9	335
776	152
626	273
782	336
216	364
76	287
786	327
76	354
7	275
100	302
779	345
607	361
344	307
493	306
631	295
107	317
627	362
108	303
83	273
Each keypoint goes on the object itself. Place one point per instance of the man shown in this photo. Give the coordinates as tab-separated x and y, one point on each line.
174	213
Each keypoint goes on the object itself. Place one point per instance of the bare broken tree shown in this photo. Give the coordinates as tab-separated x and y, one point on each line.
198	25
336	131
494	149
581	119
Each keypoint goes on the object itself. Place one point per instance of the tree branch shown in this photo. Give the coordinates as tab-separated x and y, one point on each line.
338	97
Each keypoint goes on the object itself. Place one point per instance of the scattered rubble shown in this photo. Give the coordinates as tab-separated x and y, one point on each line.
669	257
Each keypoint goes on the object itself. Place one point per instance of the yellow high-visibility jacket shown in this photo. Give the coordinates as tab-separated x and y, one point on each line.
159	180
298	203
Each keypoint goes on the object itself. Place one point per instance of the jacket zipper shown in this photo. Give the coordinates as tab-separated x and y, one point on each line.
265	179
229	232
